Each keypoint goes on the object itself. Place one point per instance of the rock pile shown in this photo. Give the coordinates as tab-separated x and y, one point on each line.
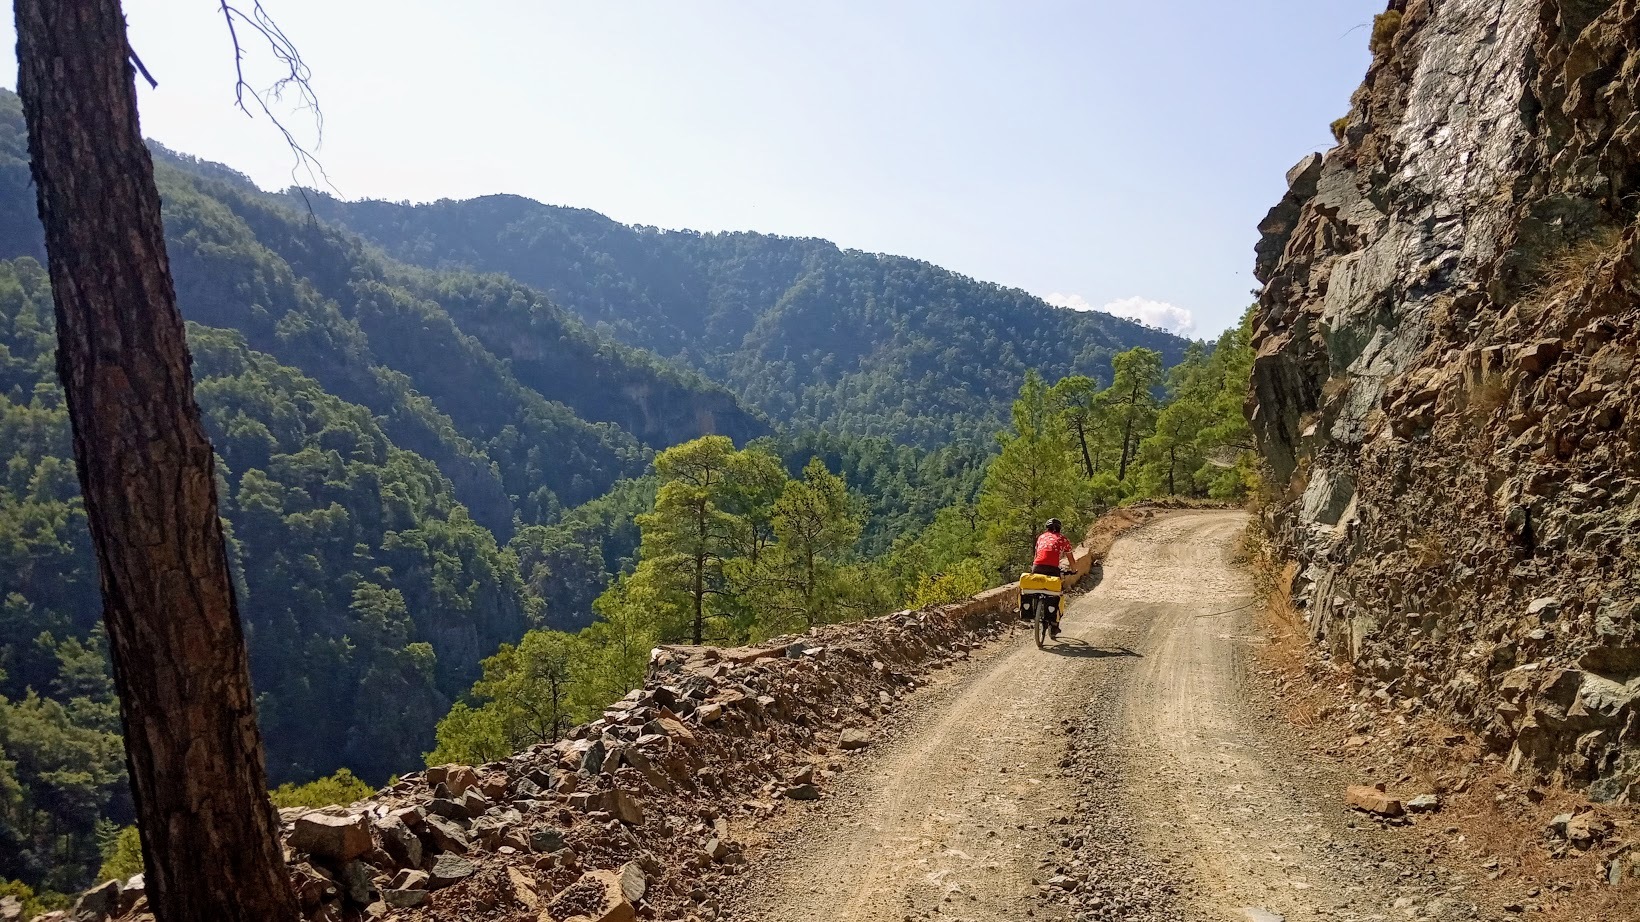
635	813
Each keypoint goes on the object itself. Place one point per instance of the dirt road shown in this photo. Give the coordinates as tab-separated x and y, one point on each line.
1126	773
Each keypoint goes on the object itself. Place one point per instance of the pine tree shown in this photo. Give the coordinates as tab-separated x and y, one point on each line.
1033	479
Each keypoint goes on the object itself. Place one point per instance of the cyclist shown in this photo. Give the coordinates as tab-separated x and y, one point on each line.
1051	549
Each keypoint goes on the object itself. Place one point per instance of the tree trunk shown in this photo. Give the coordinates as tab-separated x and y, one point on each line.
700	600
210	837
1082	439
1127	432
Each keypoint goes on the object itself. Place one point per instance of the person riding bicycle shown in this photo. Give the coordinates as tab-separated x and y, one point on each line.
1051	548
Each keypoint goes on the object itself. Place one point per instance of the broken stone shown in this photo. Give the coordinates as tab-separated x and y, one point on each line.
1373	800
634	882
338	838
1424	803
546	840
596	897
446	836
404	899
449	869
854	739
802	792
1545	609
626	806
410	879
98	903
399	842
523	888
355	883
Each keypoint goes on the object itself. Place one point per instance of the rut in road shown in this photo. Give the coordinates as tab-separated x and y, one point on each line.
1190	812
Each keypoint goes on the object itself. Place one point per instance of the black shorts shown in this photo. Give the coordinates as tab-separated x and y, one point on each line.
1043	569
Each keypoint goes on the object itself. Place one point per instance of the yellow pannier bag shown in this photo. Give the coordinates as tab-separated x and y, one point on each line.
1038	582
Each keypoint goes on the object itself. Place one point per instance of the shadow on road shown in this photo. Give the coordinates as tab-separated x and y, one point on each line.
1072	646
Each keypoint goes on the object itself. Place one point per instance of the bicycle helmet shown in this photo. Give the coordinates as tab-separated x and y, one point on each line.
1054	526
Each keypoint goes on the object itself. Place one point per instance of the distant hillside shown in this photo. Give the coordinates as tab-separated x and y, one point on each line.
384	431
813	335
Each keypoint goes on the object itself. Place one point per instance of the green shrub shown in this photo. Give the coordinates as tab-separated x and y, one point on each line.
1384	27
121	854
1339	126
340	788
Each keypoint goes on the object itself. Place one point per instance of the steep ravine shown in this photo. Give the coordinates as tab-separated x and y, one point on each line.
1444	386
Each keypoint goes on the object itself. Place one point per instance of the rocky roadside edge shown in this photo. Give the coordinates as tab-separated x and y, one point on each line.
1527	849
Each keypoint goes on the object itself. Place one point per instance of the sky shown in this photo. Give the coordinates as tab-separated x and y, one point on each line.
1111	156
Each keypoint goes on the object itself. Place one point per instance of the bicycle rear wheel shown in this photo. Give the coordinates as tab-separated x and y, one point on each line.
1041	623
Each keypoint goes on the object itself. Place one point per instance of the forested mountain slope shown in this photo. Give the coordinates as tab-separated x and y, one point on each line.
811	334
521	406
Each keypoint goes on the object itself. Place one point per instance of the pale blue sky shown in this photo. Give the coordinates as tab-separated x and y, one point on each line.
1107	153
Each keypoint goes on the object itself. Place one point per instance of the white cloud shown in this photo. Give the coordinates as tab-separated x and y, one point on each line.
1154	313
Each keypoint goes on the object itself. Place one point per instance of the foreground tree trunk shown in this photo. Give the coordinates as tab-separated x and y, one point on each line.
209	834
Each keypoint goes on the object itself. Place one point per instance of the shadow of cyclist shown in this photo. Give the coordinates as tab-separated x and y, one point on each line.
1073	646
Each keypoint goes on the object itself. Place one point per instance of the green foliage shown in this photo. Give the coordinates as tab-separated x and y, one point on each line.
1339	126
809	333
816	525
1201	445
121	850
1032	480
33	903
1384	27
341	788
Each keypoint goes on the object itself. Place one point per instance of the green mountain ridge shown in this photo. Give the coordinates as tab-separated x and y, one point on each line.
814	335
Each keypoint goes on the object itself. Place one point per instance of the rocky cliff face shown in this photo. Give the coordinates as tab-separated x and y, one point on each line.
1445	383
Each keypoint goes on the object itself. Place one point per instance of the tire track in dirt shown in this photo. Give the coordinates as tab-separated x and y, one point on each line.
1173	803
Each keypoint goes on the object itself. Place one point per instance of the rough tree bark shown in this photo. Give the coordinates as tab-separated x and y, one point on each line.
209	834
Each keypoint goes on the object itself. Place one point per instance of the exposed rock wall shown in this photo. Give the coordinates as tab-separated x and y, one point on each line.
1444	384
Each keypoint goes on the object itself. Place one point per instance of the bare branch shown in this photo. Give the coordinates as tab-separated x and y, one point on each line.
296	78
132	54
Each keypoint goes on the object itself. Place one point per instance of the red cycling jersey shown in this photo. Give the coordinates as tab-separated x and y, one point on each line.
1049	548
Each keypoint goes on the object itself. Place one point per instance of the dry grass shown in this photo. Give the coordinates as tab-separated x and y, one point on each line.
1429	549
1565	273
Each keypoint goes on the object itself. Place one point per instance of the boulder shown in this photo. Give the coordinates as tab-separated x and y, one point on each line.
855	739
97	904
596	897
11	909
445	836
449	869
1373	800
338	838
399	842
802	792
404	899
